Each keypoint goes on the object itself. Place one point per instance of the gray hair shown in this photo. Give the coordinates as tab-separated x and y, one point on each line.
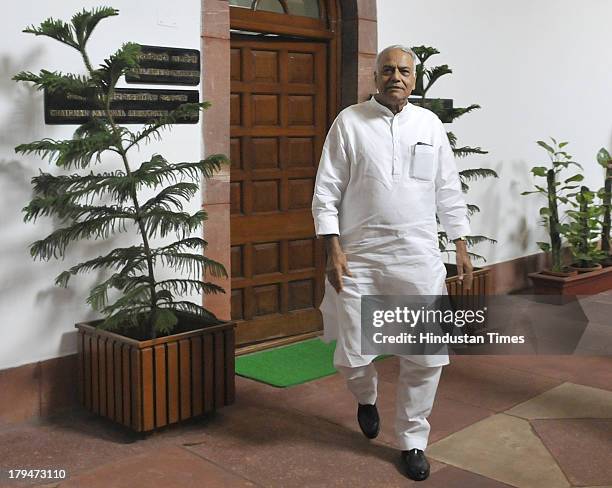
401	47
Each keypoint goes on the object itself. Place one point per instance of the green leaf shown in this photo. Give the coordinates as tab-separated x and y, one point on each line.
563	144
576	177
184	286
152	131
55	81
603	157
434	74
72	152
546	146
117	65
55	29
165	320
423	53
86	21
170	197
190	263
544	246
545	211
539	171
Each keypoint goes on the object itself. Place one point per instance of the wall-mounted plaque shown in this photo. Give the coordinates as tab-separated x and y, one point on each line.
166	65
128	106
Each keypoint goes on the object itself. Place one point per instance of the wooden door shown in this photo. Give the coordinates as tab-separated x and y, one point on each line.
278	126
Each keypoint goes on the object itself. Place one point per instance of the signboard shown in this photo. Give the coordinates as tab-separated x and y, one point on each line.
166	65
128	106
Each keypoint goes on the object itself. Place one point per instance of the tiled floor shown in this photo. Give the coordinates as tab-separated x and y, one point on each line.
542	422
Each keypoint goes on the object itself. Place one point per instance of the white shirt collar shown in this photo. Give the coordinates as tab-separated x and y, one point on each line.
385	110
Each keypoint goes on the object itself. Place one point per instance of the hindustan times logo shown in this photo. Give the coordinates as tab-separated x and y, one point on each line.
412	317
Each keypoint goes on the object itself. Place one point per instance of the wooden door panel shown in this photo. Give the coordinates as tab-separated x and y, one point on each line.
278	109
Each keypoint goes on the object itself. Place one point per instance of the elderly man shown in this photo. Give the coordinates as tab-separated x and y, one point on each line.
385	172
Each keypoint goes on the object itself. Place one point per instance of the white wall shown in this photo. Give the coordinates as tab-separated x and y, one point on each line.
36	318
538	68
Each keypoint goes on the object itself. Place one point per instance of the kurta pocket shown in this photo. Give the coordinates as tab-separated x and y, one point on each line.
423	163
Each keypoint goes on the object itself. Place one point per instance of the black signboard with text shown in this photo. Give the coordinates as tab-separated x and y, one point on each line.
166	65
128	106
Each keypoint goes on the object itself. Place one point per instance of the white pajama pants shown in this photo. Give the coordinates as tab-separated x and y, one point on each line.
416	390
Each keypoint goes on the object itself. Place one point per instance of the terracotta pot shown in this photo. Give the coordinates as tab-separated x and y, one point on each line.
147	384
585	270
589	283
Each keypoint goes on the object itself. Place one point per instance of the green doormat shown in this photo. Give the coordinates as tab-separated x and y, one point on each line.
289	365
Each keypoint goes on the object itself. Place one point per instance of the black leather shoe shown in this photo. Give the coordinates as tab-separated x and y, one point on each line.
415	464
367	416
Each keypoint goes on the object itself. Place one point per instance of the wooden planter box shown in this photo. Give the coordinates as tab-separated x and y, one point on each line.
145	385
589	283
480	284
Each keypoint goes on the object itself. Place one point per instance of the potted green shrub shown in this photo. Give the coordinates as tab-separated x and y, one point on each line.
426	77
555	194
581	230
604	159
154	358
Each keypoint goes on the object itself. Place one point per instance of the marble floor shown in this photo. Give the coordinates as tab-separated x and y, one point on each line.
503	421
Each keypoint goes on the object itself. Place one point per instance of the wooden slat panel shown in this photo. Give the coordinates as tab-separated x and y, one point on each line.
136	398
118	359
126	381
95	377
110	380
80	368
81	365
102	373
229	366
161	399
173	382
87	359
148	387
219	356
196	375
185	373
209	371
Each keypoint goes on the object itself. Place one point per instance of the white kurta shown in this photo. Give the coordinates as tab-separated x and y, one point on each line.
381	180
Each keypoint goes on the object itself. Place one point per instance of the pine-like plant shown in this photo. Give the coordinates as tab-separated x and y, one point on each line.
425	79
96	205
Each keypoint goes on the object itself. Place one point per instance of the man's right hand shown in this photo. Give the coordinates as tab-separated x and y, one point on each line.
337	266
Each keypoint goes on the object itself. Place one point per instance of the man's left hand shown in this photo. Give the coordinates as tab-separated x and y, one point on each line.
465	270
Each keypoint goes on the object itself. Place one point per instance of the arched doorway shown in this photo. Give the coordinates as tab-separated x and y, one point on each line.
286	58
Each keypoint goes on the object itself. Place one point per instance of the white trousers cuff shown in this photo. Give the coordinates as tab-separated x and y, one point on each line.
416	391
362	382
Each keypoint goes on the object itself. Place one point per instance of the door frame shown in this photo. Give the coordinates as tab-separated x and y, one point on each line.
350	33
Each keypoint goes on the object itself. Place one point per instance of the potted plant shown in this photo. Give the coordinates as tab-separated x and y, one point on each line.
580	231
604	159
583	231
155	358
425	79
554	193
